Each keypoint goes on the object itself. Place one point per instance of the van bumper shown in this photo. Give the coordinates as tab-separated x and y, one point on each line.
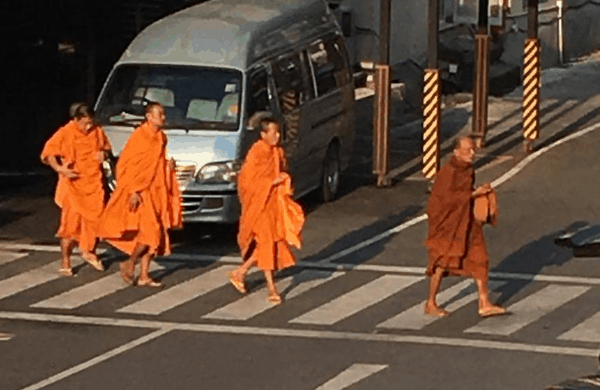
218	205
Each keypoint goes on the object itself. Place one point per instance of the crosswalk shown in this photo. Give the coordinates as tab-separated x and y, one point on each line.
302	290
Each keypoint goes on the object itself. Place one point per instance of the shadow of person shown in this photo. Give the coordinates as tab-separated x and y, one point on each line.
531	259
358	244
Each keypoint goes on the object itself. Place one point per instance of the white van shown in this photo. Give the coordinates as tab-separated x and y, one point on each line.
215	65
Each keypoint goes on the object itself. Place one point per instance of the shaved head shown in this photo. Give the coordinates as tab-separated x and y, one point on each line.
464	149
459	142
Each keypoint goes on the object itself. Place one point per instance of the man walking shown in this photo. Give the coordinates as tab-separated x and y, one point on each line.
146	202
270	220
76	152
455	241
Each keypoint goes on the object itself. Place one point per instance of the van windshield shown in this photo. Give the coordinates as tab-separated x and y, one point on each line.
195	98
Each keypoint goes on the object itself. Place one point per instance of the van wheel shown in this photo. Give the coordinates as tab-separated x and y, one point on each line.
332	173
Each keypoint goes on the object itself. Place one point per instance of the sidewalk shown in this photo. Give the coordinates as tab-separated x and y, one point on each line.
567	105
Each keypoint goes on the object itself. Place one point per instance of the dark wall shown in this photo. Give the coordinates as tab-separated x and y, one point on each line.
39	81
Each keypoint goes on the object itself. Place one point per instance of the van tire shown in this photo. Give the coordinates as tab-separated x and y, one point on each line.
331	174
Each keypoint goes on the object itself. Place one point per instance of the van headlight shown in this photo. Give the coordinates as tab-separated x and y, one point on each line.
222	172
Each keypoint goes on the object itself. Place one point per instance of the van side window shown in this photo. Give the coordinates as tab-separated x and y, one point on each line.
258	93
290	84
329	65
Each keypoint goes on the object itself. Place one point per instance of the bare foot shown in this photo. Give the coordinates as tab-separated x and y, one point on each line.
491	310
435	311
93	260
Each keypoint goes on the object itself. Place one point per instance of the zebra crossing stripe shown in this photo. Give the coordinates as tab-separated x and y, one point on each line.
357	300
256	303
5	336
33	278
459	295
181	293
587	331
353	374
8	257
89	292
528	310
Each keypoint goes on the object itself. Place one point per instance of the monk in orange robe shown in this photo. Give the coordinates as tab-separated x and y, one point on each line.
146	202
271	220
76	152
455	240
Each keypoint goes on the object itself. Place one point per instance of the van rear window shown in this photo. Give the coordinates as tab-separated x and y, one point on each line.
195	98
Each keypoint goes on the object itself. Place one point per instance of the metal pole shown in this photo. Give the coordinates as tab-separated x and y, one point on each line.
381	110
431	97
531	79
481	82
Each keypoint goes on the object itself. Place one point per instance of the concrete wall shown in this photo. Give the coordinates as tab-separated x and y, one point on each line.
408	38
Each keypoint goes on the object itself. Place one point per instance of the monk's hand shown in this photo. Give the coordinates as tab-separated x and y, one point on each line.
482	190
279	179
171	164
135	200
67	171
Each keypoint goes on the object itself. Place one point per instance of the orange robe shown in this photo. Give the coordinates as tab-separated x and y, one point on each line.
271	220
455	239
142	167
81	200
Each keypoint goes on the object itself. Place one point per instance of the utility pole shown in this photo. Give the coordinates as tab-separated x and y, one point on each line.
431	96
381	109
481	82
531	79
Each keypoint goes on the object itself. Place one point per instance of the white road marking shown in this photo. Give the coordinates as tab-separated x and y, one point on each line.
92	291
414	318
302	333
9	257
357	300
327	265
353	374
181	293
98	359
33	278
5	336
528	310
256	303
588	330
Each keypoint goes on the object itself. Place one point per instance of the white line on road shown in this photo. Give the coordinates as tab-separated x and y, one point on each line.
588	330
90	292
5	336
8	257
328	265
353	374
461	294
33	278
180	293
528	310
98	359
300	333
256	303
357	300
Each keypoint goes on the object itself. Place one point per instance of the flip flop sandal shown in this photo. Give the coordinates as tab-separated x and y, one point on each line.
150	283
274	299
494	311
94	262
236	283
66	271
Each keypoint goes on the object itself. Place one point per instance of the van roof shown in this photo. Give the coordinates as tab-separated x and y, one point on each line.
229	33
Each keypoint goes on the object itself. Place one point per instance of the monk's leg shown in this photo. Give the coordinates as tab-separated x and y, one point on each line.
144	279
128	266
273	296
431	306
486	307
66	248
87	243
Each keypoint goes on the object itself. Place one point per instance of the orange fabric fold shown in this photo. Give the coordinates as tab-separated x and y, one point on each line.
81	200
271	220
142	168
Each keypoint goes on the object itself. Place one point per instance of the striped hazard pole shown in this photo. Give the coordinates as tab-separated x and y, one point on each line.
531	93
431	123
